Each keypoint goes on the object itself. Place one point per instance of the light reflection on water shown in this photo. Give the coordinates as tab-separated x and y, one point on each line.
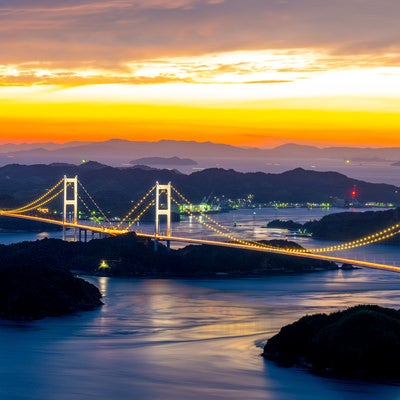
250	224
178	339
199	339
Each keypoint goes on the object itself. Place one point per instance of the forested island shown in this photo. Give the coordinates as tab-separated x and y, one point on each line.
36	279
344	225
360	342
128	255
36	290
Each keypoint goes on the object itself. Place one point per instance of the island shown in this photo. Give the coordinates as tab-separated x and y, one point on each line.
36	291
131	256
360	342
344	225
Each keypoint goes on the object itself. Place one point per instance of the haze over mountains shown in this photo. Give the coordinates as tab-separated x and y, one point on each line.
370	164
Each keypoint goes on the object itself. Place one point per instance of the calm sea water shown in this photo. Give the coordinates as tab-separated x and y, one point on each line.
188	339
177	339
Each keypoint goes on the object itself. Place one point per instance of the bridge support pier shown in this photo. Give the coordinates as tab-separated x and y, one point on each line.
68	201
84	235
163	209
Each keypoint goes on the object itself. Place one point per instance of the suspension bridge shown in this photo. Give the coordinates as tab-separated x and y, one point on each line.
161	196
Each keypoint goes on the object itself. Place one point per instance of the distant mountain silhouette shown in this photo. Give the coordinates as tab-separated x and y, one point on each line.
115	188
118	152
164	161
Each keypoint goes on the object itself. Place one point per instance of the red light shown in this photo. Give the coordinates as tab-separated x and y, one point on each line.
353	193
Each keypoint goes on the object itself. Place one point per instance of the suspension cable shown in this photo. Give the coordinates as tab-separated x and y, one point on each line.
370	239
202	213
227	235
151	203
95	204
87	208
134	208
38	205
29	206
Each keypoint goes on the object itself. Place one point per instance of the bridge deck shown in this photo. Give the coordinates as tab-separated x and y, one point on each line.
114	232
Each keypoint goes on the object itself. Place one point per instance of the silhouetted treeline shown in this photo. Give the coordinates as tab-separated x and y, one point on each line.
34	290
361	342
127	255
116	188
346	225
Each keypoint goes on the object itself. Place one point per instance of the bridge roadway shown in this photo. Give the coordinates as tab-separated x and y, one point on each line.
254	247
115	232
98	229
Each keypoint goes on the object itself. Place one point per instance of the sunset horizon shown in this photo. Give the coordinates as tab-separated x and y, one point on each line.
278	143
199	199
259	75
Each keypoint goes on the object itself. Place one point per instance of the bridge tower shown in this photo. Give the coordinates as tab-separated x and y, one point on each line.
70	201
166	210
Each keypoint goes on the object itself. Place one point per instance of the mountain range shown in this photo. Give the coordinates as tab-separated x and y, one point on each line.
371	164
115	189
124	150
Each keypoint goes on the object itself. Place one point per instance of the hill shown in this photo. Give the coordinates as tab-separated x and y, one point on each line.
35	291
123	150
116	188
345	226
360	342
351	225
127	255
370	164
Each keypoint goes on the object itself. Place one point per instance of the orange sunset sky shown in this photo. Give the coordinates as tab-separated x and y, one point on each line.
250	73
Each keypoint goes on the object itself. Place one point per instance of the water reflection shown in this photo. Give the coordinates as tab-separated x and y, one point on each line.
103	284
177	339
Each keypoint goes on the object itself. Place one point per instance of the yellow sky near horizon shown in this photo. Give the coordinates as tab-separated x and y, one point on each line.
312	109
66	73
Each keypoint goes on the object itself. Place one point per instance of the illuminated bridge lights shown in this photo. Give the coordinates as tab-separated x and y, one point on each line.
123	220
94	202
141	214
34	202
229	233
205	220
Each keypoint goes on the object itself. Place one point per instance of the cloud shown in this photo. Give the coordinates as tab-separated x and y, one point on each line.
53	42
113	32
237	67
230	67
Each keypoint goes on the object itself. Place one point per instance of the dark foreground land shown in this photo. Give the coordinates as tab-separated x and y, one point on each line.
128	255
36	291
360	342
35	280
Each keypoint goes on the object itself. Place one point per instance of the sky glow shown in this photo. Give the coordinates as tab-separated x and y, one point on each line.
247	73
